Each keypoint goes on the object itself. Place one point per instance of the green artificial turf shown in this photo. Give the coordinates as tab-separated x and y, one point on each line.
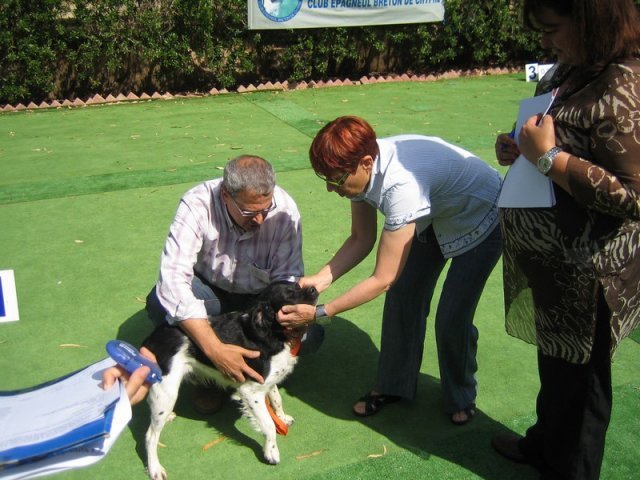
86	198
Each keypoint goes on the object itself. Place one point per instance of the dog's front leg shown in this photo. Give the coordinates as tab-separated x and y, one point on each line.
276	404
162	398
255	407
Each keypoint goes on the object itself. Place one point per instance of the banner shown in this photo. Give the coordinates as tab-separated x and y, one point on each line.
281	14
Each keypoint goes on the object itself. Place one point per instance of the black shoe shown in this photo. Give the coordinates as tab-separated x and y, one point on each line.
506	444
373	403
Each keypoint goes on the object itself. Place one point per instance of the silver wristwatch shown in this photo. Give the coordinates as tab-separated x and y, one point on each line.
321	311
545	162
321	315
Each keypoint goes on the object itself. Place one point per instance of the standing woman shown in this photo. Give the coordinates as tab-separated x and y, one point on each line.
439	204
577	264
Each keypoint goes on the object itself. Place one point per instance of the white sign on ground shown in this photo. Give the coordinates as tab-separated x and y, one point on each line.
8	297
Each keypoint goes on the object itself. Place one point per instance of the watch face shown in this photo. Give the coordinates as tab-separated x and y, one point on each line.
544	164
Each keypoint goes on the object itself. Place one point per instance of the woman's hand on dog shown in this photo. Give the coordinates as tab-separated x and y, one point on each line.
134	383
321	280
296	316
301	315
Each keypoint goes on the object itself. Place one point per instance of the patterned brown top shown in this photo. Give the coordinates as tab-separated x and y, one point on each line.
555	259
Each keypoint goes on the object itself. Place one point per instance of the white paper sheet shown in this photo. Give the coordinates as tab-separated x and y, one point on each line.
47	412
524	186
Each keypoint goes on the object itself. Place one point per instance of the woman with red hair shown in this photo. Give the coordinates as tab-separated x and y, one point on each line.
439	204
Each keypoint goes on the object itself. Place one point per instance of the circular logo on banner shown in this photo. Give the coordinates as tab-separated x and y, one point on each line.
279	10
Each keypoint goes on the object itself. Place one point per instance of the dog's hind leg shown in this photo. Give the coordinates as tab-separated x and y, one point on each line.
276	404
162	398
255	408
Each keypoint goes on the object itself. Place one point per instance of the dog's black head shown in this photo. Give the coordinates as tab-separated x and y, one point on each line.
260	325
263	314
256	327
279	294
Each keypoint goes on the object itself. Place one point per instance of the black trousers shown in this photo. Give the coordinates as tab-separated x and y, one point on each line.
574	409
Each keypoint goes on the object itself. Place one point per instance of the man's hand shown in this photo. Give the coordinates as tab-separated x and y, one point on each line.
230	360
227	358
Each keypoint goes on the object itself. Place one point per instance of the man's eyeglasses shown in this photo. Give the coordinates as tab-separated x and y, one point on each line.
254	213
336	183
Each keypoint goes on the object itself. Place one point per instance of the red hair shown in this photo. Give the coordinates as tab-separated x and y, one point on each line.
341	144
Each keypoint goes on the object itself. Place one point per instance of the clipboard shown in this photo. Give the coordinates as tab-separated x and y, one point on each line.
524	186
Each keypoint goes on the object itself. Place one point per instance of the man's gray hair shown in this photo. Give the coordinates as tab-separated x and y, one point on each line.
250	173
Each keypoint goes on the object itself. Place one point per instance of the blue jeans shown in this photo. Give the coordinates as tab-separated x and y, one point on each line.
404	320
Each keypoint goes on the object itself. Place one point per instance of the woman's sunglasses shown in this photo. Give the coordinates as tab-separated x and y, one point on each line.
336	183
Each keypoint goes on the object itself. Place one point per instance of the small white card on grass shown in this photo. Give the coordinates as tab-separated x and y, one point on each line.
8	297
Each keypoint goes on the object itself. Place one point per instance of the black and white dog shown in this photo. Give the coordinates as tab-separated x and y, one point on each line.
255	328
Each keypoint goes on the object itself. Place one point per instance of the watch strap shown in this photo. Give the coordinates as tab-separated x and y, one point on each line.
321	311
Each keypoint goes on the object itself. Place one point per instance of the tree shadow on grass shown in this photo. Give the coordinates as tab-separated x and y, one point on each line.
346	366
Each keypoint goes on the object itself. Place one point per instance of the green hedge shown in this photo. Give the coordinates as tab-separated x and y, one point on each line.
73	48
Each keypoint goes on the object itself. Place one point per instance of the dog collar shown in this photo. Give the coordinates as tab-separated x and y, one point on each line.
295	344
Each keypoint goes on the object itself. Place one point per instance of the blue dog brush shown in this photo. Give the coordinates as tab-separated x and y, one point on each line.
128	356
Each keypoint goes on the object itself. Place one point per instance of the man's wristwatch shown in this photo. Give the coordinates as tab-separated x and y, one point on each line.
545	162
321	311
